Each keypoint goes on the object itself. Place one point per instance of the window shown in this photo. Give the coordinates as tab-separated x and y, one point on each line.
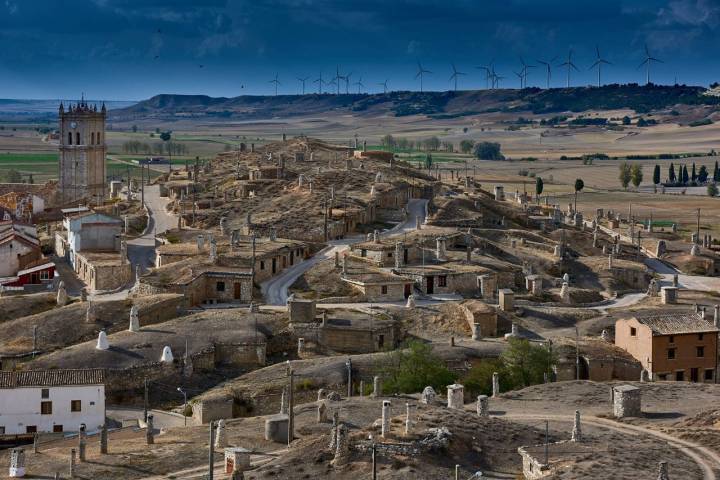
75	405
220	286
700	336
671	353
442	281
98	138
69	138
77	138
389	254
700	352
633	332
44	275
680	375
46	408
92	138
671	339
662	376
262	265
31	429
709	374
57	428
384	289
45	393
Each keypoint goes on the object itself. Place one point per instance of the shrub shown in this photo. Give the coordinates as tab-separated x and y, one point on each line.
488	151
413	368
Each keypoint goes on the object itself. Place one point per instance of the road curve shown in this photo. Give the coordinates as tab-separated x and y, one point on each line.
275	290
706	459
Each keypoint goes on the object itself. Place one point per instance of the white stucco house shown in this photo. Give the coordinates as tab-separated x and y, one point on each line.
87	231
51	401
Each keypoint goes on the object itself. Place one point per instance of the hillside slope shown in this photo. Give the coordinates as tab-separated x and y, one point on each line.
435	104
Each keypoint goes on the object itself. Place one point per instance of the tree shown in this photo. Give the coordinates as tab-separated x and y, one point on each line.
488	151
134	128
625	175
671	174
432	144
388	142
716	172
656	175
539	186
685	177
526	363
166	136
693	175
466	146
413	368
636	174
11	176
626	120
428	161
712	190
579	185
702	174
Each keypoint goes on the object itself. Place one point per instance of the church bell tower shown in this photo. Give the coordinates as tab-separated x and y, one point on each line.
82	153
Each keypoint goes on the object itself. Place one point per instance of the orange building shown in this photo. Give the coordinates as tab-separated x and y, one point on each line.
671	346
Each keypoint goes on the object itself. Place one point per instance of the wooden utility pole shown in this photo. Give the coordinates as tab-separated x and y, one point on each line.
698	224
211	454
291	405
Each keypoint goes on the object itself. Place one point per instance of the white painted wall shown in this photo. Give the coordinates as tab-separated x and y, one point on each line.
9	263
20	407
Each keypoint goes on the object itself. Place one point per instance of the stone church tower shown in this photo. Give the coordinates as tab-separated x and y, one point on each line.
82	153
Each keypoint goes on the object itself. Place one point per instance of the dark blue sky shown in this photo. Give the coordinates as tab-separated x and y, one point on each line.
133	49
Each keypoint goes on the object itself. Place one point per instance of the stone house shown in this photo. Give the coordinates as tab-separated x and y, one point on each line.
200	281
383	252
23	205
600	361
19	248
482	316
380	286
347	332
442	279
671	346
45	401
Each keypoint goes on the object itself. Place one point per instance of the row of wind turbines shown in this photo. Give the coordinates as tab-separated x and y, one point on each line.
492	77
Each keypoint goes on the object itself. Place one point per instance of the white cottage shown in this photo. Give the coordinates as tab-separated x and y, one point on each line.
51	401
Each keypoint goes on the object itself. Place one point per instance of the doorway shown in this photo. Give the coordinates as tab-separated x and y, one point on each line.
694	377
408	290
274	266
430	285
237	291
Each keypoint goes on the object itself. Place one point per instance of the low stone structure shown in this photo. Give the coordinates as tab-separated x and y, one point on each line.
626	401
507	300
277	428
483	406
455	396
428	396
668	295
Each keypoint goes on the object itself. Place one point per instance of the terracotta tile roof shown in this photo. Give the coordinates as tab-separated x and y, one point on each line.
675	323
52	378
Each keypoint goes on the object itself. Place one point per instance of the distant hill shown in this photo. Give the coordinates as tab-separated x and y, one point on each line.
43	110
434	104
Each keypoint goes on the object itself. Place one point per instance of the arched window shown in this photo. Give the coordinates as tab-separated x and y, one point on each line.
92	138
77	138
98	138
69	138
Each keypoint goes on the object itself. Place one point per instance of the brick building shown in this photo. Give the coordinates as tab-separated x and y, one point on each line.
671	346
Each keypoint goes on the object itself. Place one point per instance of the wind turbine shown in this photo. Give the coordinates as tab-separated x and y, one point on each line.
599	62
648	60
548	67
320	82
347	82
420	73
455	75
337	78
520	76
570	65
276	82
359	84
384	85
487	75
524	71
303	80
496	79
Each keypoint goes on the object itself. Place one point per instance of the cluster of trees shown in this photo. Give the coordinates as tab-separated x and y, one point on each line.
488	151
630	173
431	144
156	148
11	176
415	367
682	177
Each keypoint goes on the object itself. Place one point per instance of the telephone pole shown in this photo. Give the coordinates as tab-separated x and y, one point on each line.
211	454
291	405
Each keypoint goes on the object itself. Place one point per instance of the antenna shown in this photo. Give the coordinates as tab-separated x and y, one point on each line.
599	62
455	75
384	85
648	60
420	73
570	65
303	80
276	82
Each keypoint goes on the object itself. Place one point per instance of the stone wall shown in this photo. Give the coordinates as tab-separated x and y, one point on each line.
373	292
205	411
